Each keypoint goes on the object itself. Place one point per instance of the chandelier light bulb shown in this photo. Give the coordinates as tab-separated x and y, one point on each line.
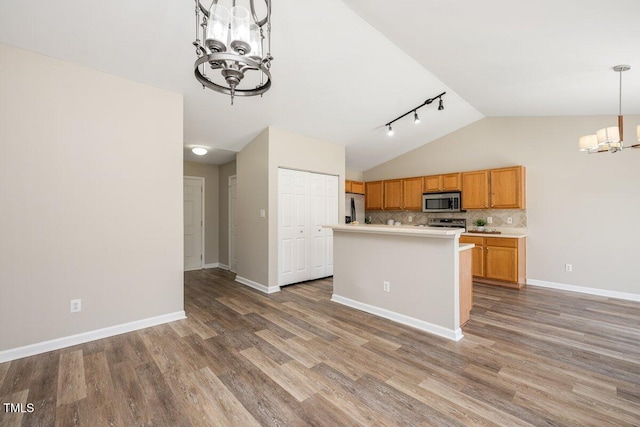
390	131
416	119
199	151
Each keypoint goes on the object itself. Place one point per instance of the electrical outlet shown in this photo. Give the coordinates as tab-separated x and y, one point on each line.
386	286
489	220
76	305
410	219
263	213
509	220
568	267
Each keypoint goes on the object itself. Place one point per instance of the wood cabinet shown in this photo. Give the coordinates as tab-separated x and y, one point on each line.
475	193
502	188
374	195
466	285
393	199
412	194
446	182
508	188
498	260
354	187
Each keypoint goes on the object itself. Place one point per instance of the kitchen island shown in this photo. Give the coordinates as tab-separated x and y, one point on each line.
404	273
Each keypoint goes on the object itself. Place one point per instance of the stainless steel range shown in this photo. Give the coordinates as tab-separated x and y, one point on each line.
447	222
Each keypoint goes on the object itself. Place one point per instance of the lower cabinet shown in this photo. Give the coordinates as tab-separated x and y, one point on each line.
498	260
465	285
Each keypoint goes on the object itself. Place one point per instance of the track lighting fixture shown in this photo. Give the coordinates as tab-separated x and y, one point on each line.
416	119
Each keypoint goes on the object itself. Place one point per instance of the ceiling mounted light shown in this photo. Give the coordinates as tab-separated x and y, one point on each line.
199	151
233	48
609	139
416	119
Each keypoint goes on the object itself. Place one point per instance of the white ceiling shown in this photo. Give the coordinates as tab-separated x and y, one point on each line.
342	69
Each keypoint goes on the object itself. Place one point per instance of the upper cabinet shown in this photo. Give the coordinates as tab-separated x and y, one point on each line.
354	187
502	188
374	192
393	199
446	182
508	188
476	190
412	193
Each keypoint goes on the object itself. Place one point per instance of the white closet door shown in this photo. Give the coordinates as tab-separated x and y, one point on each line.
318	214
294	230
331	218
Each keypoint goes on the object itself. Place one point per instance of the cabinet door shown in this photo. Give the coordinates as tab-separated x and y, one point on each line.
347	186
502	261
374	191
452	181
432	183
412	193
507	188
477	254
393	194
357	187
476	190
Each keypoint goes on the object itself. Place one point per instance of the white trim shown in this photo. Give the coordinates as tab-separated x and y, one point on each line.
258	286
451	334
223	266
584	290
229	221
58	343
199	178
212	265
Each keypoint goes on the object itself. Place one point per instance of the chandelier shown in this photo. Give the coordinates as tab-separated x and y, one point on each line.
609	139
230	48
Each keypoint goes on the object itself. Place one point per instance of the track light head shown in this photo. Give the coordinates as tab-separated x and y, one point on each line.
390	131
440	105
416	119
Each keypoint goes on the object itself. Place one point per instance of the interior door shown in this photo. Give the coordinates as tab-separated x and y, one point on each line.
193	193
318	239
293	226
233	227
331	189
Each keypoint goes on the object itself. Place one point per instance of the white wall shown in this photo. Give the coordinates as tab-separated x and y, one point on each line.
210	173
91	199
581	209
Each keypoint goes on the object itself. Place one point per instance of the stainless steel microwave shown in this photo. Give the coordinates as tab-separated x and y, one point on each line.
441	202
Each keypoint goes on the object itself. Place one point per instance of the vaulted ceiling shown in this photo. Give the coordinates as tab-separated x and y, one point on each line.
343	69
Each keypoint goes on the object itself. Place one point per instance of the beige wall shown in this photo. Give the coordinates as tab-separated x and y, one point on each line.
210	174
353	175
581	209
226	170
252	196
257	187
91	191
294	151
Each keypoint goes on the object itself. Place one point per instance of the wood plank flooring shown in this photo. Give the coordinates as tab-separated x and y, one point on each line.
532	357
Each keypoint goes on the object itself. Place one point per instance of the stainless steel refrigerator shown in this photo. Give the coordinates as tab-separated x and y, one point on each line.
354	208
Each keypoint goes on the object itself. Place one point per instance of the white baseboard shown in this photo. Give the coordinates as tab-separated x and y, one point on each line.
223	266
584	290
212	265
258	286
58	343
454	335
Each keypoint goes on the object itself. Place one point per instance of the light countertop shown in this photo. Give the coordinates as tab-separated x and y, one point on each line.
406	230
504	233
465	246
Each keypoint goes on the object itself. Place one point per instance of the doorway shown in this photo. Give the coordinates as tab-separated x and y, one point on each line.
193	205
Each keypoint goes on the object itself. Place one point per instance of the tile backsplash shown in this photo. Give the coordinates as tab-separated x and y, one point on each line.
499	216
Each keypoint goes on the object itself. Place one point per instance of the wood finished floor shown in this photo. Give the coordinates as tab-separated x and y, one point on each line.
531	357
